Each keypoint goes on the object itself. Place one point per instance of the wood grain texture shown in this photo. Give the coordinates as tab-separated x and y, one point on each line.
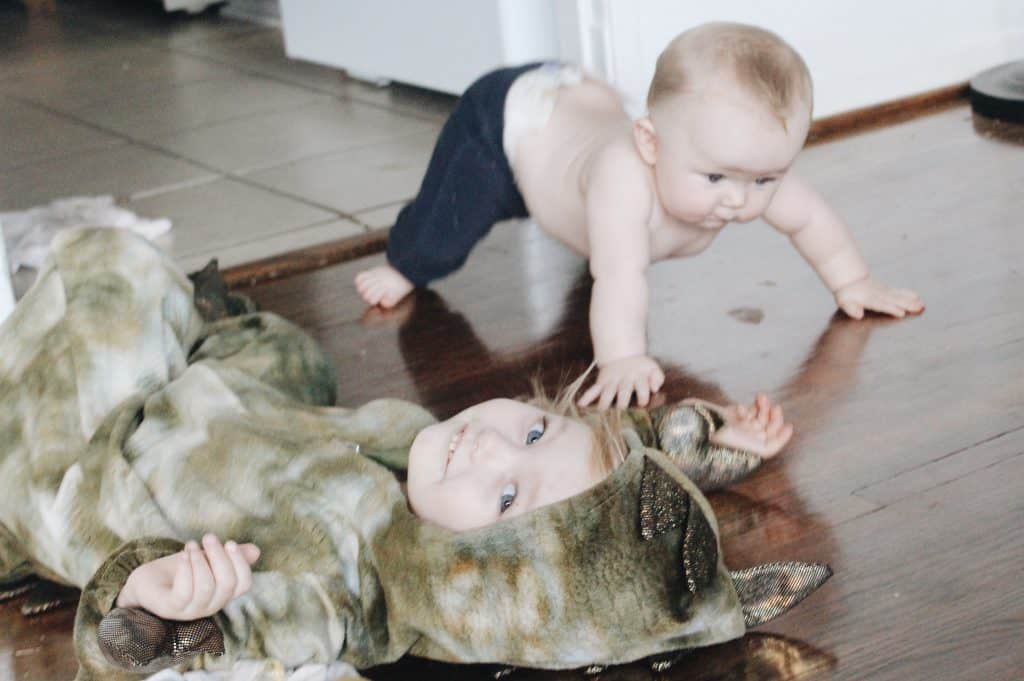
907	469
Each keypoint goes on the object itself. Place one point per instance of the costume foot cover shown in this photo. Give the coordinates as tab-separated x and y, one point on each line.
684	432
139	641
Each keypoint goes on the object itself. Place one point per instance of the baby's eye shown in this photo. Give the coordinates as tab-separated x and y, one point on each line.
508	495
764	180
714	178
537	431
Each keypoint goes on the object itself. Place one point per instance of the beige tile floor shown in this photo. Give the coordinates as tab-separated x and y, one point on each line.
203	120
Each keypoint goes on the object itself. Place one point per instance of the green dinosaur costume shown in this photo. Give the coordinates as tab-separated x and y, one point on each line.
130	425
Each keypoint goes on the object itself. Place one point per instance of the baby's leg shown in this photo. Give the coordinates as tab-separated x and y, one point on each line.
467	188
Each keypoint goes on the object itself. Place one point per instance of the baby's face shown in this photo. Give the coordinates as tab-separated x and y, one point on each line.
497	460
721	155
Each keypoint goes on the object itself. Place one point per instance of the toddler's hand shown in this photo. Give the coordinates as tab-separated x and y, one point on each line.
868	294
621	378
193	583
759	429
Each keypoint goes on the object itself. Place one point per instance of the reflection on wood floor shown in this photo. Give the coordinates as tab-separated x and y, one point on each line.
907	470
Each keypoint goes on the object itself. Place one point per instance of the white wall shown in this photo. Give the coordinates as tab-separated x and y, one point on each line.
860	52
444	45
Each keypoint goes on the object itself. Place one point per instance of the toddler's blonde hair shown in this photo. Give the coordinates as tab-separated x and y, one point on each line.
765	65
605	426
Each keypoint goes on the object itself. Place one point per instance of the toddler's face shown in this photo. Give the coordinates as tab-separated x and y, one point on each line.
721	155
496	460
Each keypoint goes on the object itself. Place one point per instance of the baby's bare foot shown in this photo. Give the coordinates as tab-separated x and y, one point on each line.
383	285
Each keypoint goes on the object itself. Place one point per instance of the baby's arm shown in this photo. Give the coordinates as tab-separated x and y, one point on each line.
824	241
618	203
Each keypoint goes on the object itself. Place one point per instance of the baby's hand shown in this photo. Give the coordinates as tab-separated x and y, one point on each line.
621	378
759	429
868	294
193	583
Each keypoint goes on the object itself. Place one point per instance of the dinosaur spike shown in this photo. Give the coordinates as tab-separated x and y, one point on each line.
663	503
46	596
16	587
766	591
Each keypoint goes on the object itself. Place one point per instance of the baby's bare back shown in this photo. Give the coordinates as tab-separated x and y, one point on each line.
589	127
552	163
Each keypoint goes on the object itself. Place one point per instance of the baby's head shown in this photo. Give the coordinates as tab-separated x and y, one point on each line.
502	458
729	108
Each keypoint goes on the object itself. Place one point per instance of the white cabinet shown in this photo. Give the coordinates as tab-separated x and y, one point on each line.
438	45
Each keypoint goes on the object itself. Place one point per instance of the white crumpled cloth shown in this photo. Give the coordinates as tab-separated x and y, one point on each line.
266	670
28	233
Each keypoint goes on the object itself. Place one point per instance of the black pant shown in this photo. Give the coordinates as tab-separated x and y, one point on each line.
468	186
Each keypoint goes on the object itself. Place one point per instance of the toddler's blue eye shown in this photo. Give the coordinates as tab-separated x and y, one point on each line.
764	180
537	431
715	177
508	495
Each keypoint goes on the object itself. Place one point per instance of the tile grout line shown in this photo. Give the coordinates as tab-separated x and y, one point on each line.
219	174
213	59
251	170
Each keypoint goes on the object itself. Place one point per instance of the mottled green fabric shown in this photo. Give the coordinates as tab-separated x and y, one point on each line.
129	426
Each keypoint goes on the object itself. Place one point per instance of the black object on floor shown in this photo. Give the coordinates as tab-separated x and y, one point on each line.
999	92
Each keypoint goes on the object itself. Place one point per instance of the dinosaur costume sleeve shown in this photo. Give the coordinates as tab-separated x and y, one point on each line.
293	619
683	432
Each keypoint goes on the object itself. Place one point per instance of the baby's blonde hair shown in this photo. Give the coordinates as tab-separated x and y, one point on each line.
605	425
762	63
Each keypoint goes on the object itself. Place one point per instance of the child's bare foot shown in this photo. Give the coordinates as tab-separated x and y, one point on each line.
382	285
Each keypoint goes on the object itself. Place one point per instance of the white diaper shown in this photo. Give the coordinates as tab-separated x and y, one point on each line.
531	100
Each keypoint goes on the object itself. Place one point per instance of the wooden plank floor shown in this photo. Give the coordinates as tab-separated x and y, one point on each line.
907	469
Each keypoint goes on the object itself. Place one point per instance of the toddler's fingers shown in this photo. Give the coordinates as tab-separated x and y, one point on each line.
243	573
763	409
181	587
223	571
202	579
775	421
780	440
250	552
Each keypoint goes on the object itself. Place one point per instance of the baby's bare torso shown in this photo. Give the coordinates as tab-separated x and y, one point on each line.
552	164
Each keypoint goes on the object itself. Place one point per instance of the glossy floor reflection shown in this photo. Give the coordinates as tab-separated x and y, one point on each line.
907	470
